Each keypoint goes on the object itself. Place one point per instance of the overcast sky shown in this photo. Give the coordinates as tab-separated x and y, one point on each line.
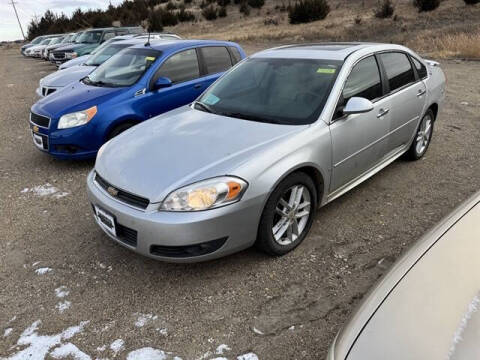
27	9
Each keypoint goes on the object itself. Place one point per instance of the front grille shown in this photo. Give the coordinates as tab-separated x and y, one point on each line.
40	120
47	91
121	195
127	235
189	250
59	55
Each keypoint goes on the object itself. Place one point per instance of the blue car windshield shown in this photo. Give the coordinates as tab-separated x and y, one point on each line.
280	91
90	37
123	69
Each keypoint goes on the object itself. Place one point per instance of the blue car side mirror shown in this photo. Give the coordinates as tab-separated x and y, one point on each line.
162	82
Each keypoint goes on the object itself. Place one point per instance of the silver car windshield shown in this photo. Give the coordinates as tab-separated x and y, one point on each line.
104	54
90	37
123	69
282	91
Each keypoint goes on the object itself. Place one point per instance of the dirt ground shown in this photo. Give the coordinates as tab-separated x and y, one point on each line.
67	291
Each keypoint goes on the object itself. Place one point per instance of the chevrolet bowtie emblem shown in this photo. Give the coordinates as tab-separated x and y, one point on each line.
35	128
112	191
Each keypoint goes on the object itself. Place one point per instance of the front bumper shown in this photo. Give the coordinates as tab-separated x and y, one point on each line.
236	223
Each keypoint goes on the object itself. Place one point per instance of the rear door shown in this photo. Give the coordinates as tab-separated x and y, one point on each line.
359	140
407	93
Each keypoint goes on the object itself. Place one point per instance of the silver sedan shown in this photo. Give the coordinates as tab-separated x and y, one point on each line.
283	133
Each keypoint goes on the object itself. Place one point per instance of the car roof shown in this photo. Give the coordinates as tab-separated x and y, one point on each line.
327	50
163	45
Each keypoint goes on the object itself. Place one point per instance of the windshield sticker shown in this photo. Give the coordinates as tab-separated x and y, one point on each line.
325	71
150	58
211	99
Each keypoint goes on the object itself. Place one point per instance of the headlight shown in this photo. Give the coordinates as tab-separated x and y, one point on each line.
204	195
77	118
70	55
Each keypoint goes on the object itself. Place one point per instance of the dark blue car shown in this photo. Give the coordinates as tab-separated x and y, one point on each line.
138	83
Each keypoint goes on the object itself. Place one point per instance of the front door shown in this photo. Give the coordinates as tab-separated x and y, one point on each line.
359	140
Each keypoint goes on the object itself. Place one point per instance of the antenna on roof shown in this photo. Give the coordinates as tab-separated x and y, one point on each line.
148	40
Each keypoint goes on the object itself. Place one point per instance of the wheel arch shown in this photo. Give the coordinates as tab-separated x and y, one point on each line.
434	108
118	122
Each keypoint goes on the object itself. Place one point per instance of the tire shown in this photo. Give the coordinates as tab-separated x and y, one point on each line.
420	143
284	242
117	130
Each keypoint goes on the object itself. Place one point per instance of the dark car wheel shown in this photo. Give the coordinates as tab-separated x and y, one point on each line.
119	129
422	137
288	215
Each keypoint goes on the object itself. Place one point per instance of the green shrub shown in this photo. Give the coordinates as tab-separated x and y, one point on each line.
471	2
155	21
222	12
245	9
187	1
209	12
426	5
305	11
385	10
223	3
171	6
256	3
184	15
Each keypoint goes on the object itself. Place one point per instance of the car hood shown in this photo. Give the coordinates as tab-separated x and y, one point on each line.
77	61
181	147
75	97
64	77
431	313
71	47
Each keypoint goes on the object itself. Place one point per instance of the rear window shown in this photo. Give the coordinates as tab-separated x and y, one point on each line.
398	68
421	69
217	59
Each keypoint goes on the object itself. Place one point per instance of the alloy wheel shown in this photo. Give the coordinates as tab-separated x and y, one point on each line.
291	215
423	135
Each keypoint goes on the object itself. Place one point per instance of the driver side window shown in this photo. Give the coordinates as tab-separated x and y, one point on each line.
180	67
363	81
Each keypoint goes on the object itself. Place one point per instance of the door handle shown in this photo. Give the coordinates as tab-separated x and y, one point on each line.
197	86
421	92
383	112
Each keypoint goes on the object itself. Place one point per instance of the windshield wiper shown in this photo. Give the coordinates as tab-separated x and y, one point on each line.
203	107
251	117
88	81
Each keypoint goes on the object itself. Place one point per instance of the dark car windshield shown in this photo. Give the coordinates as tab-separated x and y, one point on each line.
123	69
37	40
77	37
104	54
45	42
67	38
90	37
56	41
282	91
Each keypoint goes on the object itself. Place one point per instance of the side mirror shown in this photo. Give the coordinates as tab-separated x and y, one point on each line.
162	82
357	105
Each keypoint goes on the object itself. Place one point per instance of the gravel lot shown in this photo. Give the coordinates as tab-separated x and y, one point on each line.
67	291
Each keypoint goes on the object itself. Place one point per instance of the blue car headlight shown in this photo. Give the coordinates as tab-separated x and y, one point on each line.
204	195
77	118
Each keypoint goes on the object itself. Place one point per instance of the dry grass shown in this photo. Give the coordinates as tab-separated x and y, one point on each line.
460	45
449	31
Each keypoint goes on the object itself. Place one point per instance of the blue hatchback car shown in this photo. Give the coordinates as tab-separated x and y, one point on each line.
134	85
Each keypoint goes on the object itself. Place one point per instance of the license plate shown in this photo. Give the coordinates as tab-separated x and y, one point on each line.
37	140
105	220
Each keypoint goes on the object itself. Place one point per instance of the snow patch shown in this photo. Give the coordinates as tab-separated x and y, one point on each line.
256	331
117	346
147	353
7	332
38	346
70	351
43	270
222	348
144	319
46	190
63	305
62	291
249	356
